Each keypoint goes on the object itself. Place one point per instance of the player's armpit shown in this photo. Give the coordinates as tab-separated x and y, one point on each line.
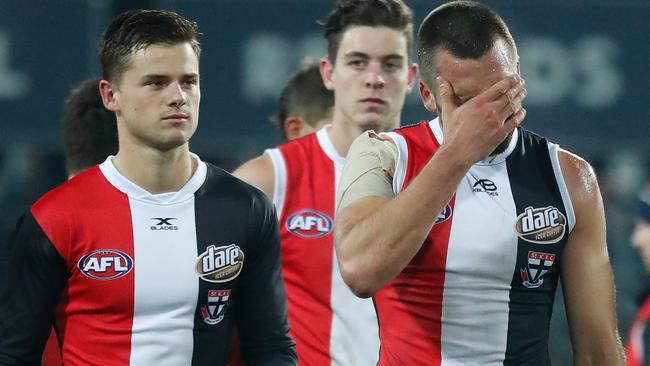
587	277
369	169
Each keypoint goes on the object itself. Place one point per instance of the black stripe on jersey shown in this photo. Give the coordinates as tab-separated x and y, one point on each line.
229	211
533	185
34	277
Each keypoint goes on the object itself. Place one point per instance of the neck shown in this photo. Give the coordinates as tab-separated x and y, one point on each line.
156	171
343	132
342	136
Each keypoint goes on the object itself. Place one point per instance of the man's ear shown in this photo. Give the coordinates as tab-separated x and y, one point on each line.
296	127
108	90
413	75
326	72
428	98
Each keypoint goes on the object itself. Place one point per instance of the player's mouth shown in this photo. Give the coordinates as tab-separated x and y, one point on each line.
176	117
373	101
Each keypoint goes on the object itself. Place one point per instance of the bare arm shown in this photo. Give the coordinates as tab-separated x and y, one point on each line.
258	172
376	237
587	277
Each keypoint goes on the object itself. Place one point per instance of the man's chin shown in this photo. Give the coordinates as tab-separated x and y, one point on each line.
378	122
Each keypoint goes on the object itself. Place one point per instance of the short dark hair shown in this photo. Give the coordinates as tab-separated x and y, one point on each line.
466	29
138	29
374	13
89	129
305	96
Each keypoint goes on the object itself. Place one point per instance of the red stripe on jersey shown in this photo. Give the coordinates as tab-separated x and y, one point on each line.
306	255
84	215
410	307
635	349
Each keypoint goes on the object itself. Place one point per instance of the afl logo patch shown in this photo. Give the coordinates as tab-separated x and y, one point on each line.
309	224
220	264
444	215
105	264
544	225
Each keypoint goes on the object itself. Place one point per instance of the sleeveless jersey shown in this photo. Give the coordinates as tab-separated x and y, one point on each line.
329	324
134	278
480	290
637	346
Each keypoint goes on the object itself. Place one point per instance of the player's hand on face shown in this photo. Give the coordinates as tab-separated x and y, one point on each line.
479	125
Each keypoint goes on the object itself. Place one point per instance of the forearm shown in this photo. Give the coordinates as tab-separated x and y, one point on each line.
608	355
376	237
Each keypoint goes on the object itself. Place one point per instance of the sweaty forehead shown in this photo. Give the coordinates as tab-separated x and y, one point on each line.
469	77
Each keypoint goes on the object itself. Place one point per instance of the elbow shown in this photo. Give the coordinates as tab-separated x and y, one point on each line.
358	280
355	271
356	277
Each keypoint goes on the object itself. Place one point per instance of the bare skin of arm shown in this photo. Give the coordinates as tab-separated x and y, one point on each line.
375	237
258	172
587	277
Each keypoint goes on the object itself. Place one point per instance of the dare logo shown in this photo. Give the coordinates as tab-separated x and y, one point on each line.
544	225
105	264
220	264
309	224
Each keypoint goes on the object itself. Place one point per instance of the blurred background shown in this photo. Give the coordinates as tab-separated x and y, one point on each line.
584	62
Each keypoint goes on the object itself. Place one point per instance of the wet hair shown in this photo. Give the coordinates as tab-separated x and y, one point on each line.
305	96
466	29
89	129
373	13
134	30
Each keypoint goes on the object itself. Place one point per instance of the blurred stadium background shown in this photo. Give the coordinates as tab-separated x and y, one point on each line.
585	64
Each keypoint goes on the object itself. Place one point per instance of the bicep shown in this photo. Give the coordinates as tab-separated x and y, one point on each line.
587	276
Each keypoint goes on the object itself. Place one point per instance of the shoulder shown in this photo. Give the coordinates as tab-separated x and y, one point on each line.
71	194
580	179
258	172
380	147
233	192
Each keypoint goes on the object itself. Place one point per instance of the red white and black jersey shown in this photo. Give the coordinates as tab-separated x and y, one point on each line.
480	290
330	325
132	278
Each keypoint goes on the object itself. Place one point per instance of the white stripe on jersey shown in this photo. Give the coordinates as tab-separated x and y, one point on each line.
482	245
355	332
280	179
553	150
164	263
401	163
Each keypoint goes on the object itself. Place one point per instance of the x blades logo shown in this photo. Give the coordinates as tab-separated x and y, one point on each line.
164	223
486	186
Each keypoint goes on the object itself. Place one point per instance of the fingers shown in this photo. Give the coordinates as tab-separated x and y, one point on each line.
446	93
514	121
499	90
512	101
